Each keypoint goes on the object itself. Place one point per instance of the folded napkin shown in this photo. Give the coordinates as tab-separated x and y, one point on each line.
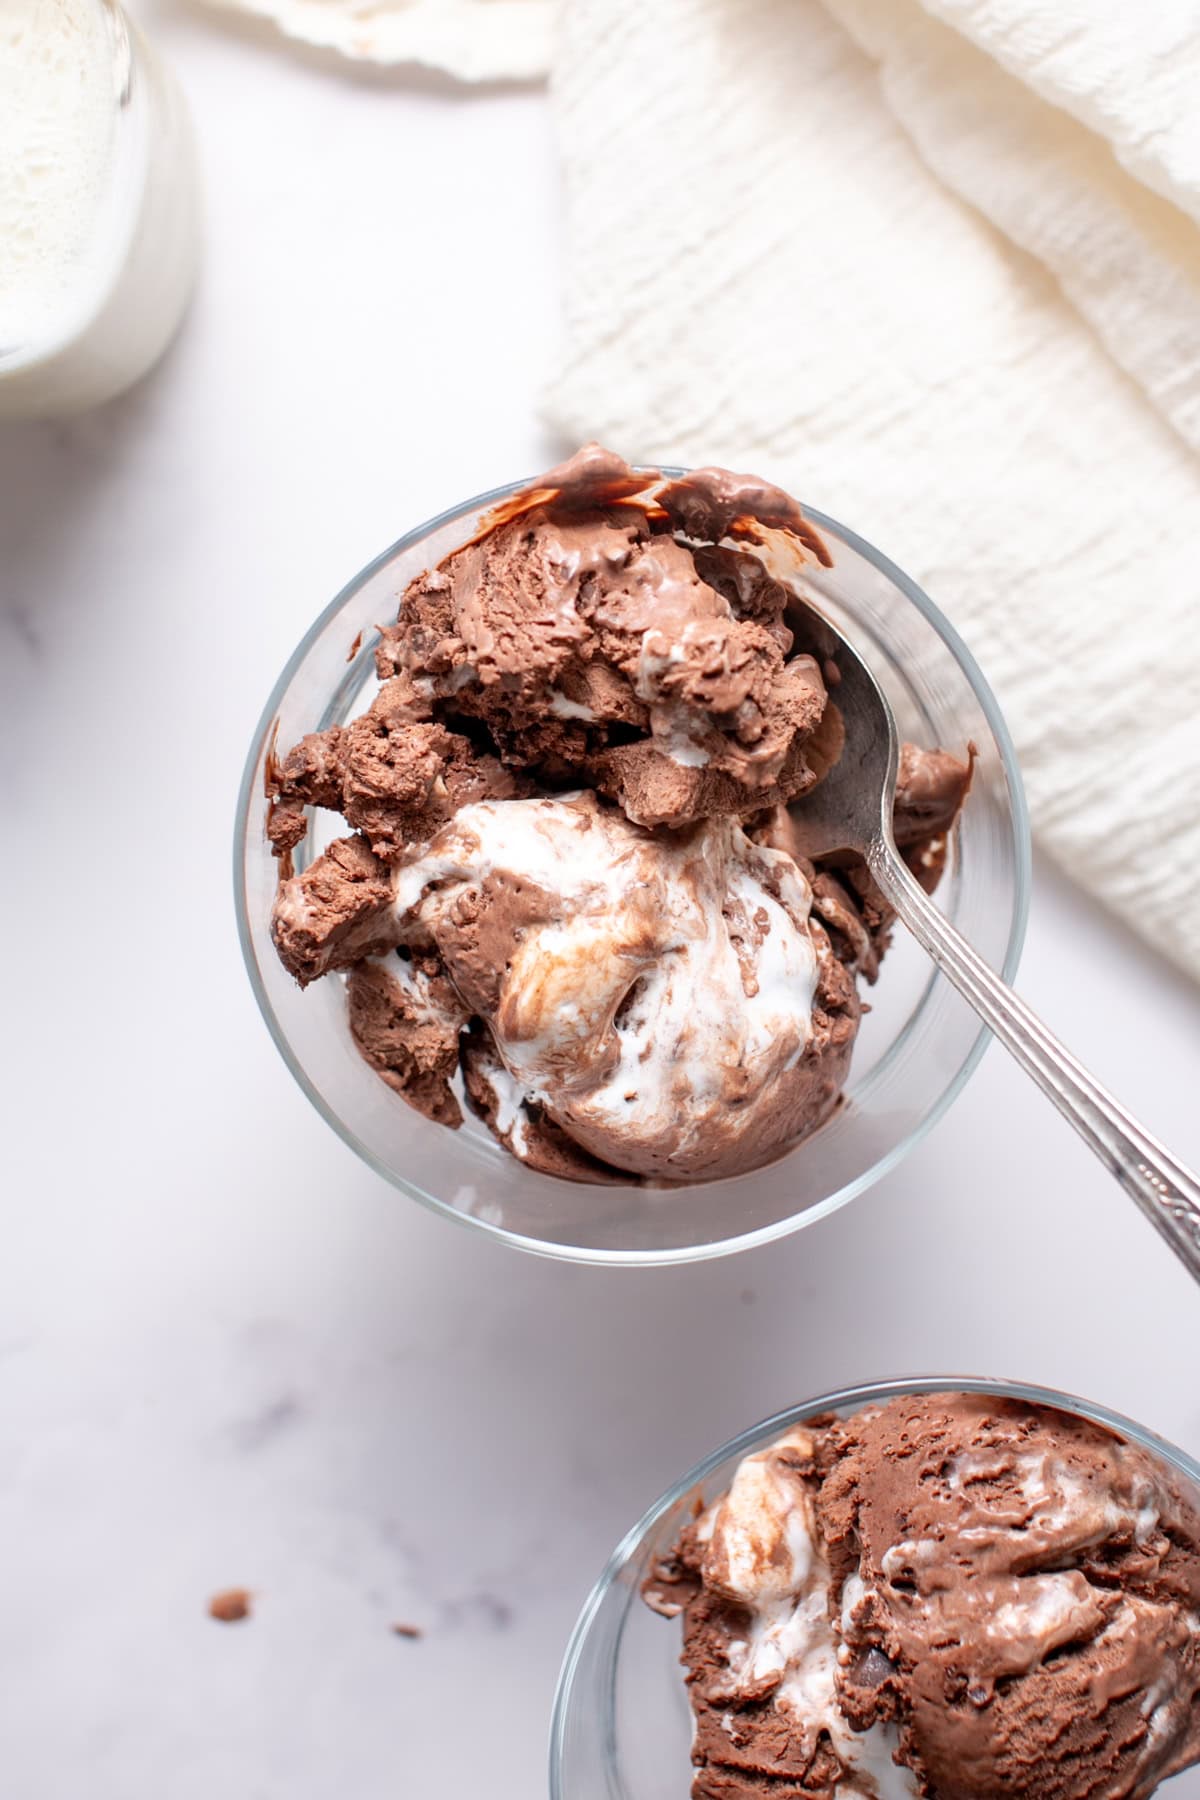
936	267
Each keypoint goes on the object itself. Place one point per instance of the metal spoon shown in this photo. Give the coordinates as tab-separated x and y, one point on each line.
851	810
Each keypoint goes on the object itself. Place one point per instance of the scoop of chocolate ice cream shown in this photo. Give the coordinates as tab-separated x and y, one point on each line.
594	645
669	1004
611	655
1035	1585
950	1595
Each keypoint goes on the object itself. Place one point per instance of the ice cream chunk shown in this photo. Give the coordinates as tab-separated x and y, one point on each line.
571	799
950	1595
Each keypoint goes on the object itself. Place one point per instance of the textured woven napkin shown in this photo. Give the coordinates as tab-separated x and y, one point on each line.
938	270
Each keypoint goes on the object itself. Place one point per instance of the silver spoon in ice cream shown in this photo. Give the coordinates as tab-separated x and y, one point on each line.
851	810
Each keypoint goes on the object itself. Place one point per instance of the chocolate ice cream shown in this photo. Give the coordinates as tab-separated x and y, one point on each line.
570	902
950	1595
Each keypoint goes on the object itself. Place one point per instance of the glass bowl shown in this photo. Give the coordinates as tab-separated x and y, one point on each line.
622	1727
917	1045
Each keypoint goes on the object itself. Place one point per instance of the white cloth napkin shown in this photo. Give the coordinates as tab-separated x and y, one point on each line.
937	269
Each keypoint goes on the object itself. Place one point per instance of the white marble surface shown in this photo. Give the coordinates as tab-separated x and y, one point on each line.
228	1353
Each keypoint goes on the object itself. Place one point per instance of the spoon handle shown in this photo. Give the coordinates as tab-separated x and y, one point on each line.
1167	1192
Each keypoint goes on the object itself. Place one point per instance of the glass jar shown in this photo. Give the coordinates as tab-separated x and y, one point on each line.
99	206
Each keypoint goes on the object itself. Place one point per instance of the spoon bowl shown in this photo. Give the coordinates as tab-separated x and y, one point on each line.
852	803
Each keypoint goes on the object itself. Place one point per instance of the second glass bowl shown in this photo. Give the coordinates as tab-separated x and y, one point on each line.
917	1045
622	1725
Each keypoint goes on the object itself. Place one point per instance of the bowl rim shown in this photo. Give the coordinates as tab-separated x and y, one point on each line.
725	1246
854	1397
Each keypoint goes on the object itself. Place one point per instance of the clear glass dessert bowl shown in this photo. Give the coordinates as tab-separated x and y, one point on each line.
622	1725
918	1043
